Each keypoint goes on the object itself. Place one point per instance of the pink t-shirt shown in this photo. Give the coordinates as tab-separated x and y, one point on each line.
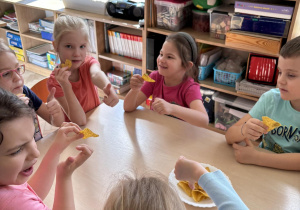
182	94
16	197
84	89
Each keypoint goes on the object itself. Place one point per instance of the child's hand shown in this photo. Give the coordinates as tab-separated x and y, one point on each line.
253	129
66	134
111	98
188	170
161	106
24	98
245	154
67	167
52	105
136	82
62	76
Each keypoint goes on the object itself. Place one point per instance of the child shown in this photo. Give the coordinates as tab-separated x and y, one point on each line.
215	184
282	105
11	80
149	191
175	90
19	153
76	87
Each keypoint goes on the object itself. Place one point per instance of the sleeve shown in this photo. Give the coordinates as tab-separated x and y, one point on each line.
220	191
148	87
34	99
53	83
193	93
259	109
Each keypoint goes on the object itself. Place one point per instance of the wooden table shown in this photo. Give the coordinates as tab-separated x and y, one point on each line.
143	140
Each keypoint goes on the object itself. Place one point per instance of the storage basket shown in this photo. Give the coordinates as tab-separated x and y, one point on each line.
205	71
225	77
252	88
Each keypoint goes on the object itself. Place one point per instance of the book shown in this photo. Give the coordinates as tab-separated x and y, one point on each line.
47	22
269	10
119	89
118	77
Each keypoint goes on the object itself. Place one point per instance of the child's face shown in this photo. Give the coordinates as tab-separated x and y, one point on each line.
289	79
15	82
18	151
72	46
169	62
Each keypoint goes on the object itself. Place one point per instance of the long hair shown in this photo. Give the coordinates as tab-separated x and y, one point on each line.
150	191
11	108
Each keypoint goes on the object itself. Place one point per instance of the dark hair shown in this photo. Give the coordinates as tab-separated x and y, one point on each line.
187	49
11	108
291	48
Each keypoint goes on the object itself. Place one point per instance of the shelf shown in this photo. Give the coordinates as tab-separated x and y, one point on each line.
209	83
37	69
205	38
121	96
121	59
9	30
35	36
211	127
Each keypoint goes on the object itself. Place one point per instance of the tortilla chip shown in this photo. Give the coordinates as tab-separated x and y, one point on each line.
270	123
68	64
147	78
88	133
20	95
185	187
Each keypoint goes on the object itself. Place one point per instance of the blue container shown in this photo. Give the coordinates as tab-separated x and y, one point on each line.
225	77
205	71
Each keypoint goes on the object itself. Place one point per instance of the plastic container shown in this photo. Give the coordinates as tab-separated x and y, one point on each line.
200	20
208	103
229	109
173	16
47	35
205	71
225	77
220	20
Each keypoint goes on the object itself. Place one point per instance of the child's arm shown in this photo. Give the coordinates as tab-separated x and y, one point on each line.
46	172
215	183
51	111
135	96
246	127
250	155
195	115
69	101
64	198
101	81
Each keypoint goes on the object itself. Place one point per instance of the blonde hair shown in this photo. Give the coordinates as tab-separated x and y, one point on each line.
67	23
5	48
151	191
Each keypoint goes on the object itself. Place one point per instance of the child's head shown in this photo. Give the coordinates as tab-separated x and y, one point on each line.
184	47
18	150
289	71
150	191
71	39
10	70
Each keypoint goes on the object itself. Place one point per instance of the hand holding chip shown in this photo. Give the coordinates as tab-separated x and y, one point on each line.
253	129
136	82
62	76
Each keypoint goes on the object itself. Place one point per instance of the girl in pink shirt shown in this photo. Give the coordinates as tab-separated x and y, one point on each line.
19	153
76	87
176	90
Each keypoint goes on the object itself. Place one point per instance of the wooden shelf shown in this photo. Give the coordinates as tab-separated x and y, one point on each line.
9	30
211	127
35	36
121	59
37	69
209	83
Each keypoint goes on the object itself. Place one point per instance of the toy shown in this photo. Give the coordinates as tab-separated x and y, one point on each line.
206	4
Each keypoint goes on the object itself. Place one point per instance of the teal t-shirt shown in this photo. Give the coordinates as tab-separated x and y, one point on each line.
285	138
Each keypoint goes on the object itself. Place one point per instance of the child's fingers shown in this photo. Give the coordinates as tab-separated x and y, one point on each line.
66	124
85	153
236	146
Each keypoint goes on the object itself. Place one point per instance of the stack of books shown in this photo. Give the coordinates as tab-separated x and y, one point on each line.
14	42
38	54
120	80
47	25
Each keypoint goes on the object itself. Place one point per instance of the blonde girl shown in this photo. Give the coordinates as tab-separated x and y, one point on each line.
76	87
175	91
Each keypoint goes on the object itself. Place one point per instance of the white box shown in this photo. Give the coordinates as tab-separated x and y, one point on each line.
98	7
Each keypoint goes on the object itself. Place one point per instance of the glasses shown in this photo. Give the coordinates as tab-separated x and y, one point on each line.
9	73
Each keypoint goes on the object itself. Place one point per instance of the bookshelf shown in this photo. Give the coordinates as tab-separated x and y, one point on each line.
29	11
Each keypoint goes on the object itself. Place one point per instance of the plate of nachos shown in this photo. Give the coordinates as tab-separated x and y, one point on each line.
197	197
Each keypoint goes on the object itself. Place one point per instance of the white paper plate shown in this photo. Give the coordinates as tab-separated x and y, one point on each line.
206	203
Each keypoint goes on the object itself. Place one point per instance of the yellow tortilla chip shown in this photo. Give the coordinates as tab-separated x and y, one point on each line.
68	63
88	133
185	187
20	95
207	168
270	123
147	78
